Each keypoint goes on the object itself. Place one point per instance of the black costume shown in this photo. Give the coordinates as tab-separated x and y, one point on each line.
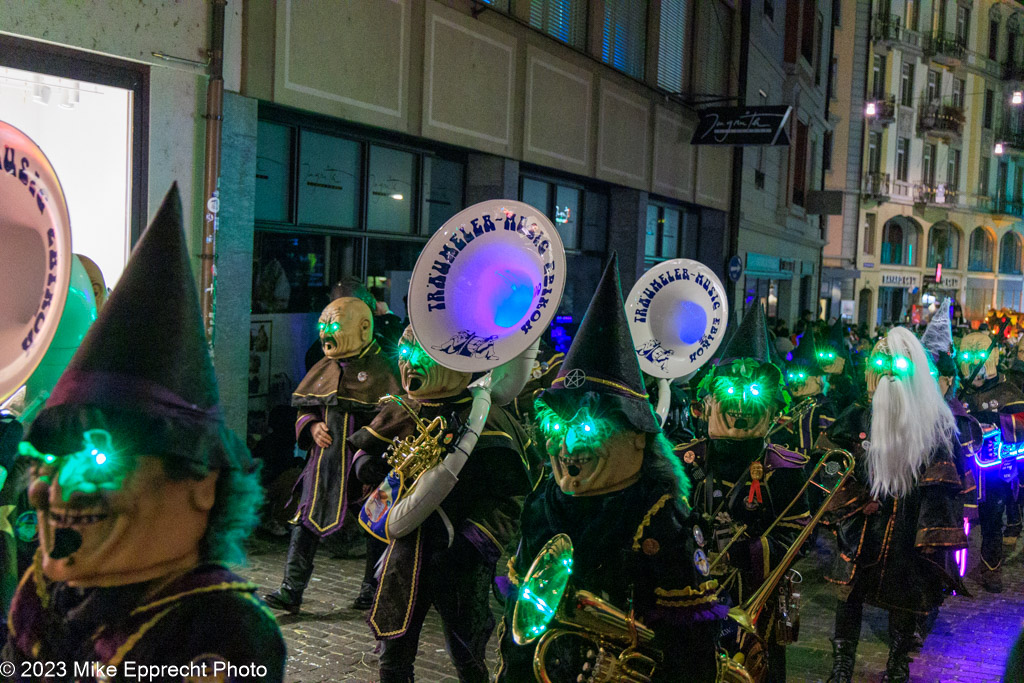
449	568
997	402
343	394
639	546
899	557
208	616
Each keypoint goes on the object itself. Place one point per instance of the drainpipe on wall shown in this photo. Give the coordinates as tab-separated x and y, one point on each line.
737	158
211	175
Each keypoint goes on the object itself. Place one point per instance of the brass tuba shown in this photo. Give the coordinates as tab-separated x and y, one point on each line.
749	664
550	608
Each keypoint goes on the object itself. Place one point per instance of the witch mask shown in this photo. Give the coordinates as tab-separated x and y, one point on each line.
742	398
976	349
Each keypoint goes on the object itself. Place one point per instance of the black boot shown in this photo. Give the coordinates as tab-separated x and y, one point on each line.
366	594
897	669
395	676
844	656
297	570
991	579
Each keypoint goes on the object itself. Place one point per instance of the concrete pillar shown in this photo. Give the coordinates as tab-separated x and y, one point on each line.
491	177
234	258
627	231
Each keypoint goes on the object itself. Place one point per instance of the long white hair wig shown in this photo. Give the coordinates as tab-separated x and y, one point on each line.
909	420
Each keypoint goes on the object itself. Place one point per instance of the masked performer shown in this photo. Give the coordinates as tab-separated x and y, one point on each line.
619	495
337	396
899	519
807	384
445	559
996	402
142	494
742	481
834	358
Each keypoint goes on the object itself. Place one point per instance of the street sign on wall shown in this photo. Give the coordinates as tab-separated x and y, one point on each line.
735	268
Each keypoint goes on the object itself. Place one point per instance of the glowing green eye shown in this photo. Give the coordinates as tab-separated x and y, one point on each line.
587	427
333	327
730	390
802	375
965	355
879	362
321	326
755	390
901	364
556	427
403	351
49	459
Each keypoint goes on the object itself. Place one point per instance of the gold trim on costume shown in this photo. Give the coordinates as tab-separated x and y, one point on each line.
647	520
598	380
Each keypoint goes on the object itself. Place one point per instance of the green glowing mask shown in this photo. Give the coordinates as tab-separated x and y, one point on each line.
973	357
542	589
95	468
826	356
885	364
796	376
414	355
582	431
328	328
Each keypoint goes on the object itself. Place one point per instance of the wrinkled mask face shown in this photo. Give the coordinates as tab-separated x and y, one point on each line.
1020	351
800	384
107	518
883	363
422	376
974	351
744	398
590	456
345	327
829	361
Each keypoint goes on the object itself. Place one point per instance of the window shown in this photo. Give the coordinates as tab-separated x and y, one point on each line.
902	158
983	170
874	151
911	10
624	36
671	232
565	20
764	290
980	251
1011	47
800	164
962	23
819	41
870	220
768	7
672	47
289	274
442	192
993	39
390	201
329	180
944	245
899	242
907	84
1009	254
274	148
563	203
958	93
932	88
928	159
987	111
878	78
826	151
953	171
807	31
714	27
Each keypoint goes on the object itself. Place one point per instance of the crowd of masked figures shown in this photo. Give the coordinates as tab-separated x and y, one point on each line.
650	527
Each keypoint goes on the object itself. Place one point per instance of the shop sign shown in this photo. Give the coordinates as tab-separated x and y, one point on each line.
900	280
951	282
753	126
869	265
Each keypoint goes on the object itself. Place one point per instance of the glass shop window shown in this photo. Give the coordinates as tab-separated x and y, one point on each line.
274	172
389	266
442	192
329	180
289	272
390	196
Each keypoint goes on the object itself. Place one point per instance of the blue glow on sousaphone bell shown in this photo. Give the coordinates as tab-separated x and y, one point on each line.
691	320
511	297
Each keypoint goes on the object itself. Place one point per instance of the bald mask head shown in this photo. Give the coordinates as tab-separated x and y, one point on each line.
346	327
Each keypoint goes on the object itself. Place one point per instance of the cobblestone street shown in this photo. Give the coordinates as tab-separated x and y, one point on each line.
330	642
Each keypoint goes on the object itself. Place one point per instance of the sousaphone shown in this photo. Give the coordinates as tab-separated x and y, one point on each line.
677	315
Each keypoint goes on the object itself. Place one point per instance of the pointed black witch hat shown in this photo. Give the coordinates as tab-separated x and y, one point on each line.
143	372
602	359
805	355
750	338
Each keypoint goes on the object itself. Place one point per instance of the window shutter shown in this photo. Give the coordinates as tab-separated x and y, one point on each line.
624	39
672	45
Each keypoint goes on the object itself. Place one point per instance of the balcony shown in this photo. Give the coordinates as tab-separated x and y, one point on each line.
1012	138
876	186
943	120
947	49
1001	206
935	195
888	30
884	108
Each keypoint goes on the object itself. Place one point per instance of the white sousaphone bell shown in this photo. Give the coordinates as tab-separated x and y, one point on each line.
677	315
46	298
482	292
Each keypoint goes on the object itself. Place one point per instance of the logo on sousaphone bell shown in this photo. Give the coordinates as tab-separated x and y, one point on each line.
470	344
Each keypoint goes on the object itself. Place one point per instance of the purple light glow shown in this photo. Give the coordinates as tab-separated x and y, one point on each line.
496	286
961	555
691	320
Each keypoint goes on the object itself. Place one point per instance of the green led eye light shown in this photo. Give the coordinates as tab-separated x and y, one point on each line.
896	365
329	328
94	468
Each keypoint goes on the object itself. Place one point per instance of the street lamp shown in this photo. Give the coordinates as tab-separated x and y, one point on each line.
871	109
998	148
1017	98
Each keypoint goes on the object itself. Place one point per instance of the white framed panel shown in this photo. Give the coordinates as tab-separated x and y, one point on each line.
674	156
622	158
559	98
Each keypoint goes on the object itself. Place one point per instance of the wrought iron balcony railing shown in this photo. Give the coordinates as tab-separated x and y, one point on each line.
946	48
876	185
944	119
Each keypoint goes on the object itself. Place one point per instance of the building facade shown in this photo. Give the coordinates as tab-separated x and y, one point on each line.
789	47
941	185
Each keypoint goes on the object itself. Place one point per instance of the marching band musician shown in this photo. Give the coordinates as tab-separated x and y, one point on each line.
834	358
740	480
448	561
899	518
337	396
142	495
993	401
806	380
618	493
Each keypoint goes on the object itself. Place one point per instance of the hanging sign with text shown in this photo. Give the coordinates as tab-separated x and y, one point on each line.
744	126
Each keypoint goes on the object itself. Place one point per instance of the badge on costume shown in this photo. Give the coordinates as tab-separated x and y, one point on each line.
361	376
754	498
650	546
698	535
700	561
689	457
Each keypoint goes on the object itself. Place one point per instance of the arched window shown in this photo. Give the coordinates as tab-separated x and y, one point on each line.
1009	254
980	251
944	245
900	241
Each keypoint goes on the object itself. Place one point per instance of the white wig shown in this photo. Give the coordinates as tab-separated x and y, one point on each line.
909	420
